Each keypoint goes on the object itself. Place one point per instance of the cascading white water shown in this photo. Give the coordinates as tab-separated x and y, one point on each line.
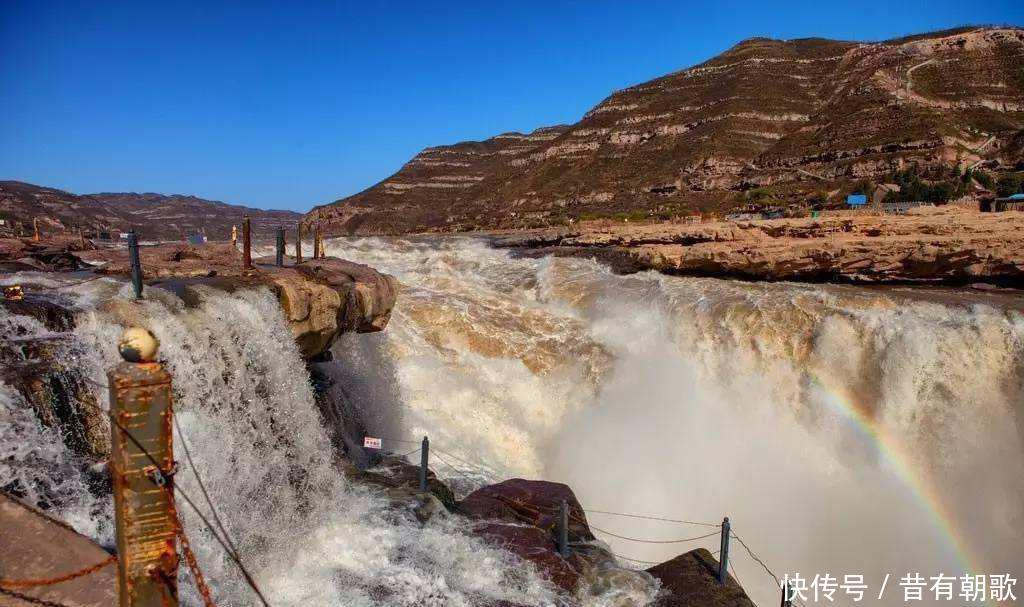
844	430
244	403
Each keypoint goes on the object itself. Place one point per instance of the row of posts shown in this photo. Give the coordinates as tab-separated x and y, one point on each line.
281	244
136	263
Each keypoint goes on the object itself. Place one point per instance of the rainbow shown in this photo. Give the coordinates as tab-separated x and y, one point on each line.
900	461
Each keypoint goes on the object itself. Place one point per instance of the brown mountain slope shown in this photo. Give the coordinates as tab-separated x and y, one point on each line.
798	117
154	216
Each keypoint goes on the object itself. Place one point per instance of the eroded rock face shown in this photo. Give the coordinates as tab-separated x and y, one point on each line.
690	579
321	298
944	244
521	516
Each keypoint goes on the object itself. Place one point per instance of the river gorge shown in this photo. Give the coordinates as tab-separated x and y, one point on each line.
842	429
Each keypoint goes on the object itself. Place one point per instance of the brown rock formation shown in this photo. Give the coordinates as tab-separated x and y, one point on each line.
799	116
321	298
946	244
521	515
689	579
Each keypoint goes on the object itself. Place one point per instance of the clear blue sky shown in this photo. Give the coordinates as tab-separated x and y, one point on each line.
291	104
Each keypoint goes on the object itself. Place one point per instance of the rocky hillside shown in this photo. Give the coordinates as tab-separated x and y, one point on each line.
154	216
800	118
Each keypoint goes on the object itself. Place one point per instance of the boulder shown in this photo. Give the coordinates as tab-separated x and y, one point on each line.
321	298
368	296
521	516
690	580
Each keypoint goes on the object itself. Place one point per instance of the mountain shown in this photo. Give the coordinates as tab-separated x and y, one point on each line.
154	216
790	120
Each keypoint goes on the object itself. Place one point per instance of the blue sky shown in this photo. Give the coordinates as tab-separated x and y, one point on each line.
291	104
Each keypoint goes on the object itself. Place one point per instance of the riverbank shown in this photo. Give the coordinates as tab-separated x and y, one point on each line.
945	245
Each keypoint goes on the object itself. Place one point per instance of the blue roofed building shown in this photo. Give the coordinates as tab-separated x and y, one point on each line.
856	201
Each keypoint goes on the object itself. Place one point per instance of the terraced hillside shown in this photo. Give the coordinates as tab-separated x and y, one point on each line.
801	118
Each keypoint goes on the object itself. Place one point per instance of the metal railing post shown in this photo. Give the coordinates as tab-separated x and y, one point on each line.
424	460
280	247
563	530
136	263
140	408
787	595
247	242
723	556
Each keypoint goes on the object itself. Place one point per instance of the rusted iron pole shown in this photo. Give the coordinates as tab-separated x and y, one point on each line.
316	241
298	243
140	407
247	242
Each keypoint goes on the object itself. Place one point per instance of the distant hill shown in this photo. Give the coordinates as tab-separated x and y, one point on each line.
154	216
792	120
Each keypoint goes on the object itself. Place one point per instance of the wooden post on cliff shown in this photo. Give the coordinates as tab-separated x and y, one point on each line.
141	458
723	556
247	242
298	243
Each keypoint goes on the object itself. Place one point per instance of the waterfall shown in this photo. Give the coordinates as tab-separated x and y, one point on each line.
246	409
844	430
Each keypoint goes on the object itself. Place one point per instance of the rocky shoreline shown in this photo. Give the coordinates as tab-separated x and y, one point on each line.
944	245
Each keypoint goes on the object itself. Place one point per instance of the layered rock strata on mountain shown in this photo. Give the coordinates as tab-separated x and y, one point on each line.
799	116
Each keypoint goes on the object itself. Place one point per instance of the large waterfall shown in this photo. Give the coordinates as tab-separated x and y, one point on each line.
843	430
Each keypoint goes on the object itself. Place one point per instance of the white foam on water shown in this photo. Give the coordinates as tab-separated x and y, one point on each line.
699	398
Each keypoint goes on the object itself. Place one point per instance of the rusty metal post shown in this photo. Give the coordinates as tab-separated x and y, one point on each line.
316	241
140	407
247	242
298	243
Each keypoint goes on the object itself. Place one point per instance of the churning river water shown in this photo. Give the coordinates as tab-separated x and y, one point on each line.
843	430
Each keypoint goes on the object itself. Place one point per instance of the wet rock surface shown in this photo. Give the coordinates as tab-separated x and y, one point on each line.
945	245
320	298
689	579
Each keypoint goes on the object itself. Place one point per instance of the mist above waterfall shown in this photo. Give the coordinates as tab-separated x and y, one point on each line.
844	430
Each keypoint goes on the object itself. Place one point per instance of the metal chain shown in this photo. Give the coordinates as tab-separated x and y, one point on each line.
32	583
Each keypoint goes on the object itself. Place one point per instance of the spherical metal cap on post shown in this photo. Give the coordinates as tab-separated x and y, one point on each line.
138	345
